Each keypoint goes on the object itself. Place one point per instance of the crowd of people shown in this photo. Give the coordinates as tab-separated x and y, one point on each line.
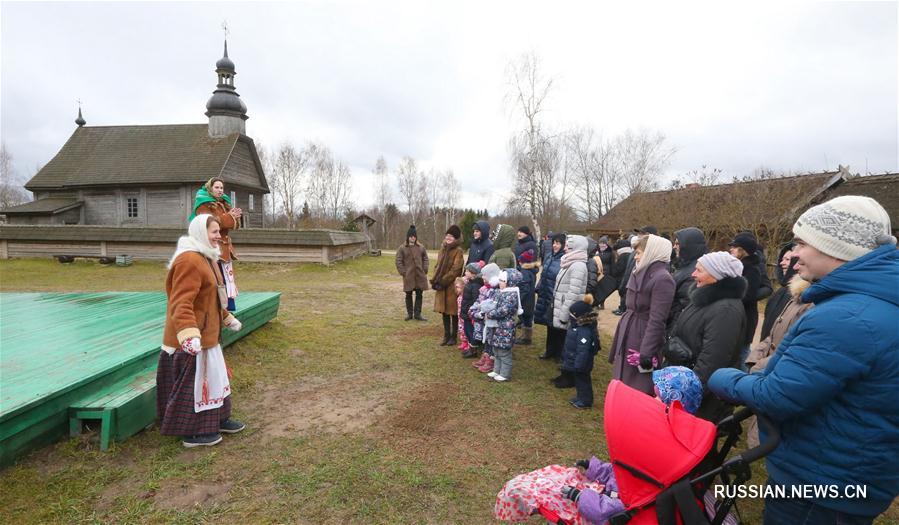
826	365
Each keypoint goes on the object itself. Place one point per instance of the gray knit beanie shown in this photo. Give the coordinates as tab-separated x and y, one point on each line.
721	264
845	227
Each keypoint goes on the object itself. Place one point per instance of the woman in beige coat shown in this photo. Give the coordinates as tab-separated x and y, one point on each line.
449	266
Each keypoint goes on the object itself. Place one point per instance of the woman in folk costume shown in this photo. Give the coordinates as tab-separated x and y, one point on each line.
449	266
192	395
211	199
640	335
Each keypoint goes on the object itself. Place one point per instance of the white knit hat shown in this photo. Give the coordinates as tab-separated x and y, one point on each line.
845	227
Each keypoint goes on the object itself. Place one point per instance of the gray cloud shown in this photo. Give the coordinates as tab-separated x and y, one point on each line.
794	87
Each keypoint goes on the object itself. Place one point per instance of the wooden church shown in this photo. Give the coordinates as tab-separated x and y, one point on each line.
146	176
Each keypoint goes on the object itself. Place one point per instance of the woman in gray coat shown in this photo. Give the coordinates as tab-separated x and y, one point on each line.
571	283
640	334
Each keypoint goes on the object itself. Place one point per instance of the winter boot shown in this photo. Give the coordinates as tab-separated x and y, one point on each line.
408	307
487	366
480	362
454	330
470	352
418	316
527	332
446	330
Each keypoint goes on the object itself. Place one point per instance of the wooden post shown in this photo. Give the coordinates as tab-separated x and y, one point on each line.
4	249
325	259
103	249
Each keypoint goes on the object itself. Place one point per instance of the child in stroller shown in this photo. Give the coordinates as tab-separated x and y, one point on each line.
654	445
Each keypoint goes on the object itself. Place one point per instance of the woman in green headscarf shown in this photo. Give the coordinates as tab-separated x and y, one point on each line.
211	199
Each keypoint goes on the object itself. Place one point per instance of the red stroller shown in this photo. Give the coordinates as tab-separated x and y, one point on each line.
664	459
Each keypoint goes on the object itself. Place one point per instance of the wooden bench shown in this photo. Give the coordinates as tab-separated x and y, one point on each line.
123	408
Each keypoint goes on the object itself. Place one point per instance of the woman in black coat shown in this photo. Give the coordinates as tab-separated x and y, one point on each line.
744	247
711	327
783	272
543	311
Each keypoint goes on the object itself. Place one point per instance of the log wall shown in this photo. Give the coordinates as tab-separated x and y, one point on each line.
256	245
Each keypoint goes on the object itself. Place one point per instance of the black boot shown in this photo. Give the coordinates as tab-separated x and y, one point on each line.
454	330
446	330
408	306
527	332
418	316
565	380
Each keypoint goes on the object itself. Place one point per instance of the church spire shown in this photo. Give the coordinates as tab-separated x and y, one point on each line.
226	111
80	120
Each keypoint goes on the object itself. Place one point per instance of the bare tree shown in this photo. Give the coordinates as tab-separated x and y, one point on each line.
11	193
450	196
338	191
267	160
383	195
530	148
321	168
642	158
287	181
409	180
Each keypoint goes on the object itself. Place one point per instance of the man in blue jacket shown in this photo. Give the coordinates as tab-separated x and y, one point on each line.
481	247
832	385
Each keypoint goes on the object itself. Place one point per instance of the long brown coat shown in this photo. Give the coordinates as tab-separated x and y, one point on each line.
412	264
193	308
450	259
219	210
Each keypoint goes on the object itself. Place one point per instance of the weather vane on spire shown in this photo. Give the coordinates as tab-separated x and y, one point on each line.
225	28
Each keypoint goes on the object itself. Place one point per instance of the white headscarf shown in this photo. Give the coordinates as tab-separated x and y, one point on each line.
197	240
657	249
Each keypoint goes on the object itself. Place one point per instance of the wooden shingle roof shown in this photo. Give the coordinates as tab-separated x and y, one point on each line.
882	188
49	206
119	155
720	207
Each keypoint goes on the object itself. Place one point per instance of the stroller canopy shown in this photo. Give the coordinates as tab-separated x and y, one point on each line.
650	444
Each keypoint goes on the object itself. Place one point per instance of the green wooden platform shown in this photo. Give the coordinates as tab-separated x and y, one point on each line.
60	353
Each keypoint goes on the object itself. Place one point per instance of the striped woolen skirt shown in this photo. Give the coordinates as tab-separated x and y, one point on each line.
175	398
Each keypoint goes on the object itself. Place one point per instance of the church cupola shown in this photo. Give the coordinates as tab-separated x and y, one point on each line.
226	111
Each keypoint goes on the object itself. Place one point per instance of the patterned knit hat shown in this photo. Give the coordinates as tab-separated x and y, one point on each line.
845	227
678	383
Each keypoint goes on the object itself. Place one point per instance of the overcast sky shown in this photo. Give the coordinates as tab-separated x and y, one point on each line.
790	86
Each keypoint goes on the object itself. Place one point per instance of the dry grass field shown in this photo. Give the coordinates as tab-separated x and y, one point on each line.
354	416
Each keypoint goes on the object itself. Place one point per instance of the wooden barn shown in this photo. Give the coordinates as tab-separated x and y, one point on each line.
767	207
147	175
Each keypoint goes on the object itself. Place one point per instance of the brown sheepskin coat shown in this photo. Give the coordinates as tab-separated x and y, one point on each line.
219	210
449	266
193	308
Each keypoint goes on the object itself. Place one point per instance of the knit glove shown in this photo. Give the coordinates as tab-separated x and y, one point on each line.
235	325
571	493
191	345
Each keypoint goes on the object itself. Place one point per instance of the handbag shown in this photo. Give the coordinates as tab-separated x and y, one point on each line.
677	353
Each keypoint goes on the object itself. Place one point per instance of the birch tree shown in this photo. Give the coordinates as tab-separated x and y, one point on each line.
287	181
529	147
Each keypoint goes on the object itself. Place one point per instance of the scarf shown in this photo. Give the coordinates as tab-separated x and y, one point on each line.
657	249
572	257
443	260
204	197
196	240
